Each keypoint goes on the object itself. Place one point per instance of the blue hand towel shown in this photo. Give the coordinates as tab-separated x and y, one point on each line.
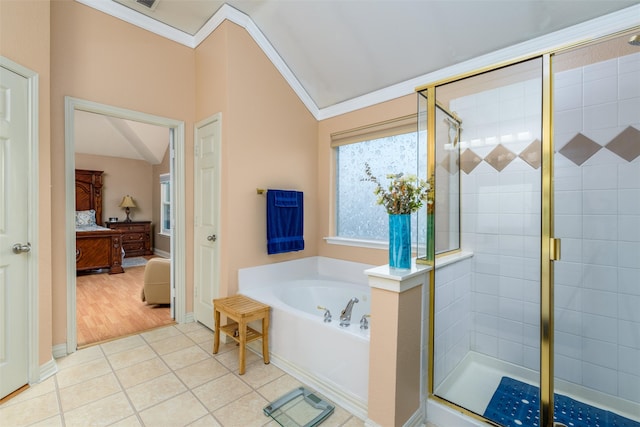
284	221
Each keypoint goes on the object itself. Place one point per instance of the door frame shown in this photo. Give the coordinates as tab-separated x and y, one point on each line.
178	248
33	216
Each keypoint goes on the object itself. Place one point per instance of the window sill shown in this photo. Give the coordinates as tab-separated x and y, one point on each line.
360	243
164	234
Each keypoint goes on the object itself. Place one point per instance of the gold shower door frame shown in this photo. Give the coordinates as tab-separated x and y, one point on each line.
548	243
550	246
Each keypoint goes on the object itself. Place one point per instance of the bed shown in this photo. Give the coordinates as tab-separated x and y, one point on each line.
97	247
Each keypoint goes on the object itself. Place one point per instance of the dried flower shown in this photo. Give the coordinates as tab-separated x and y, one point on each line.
404	195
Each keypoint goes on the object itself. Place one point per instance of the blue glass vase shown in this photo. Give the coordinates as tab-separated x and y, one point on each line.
400	241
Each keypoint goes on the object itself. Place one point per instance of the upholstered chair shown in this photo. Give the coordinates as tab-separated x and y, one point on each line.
157	281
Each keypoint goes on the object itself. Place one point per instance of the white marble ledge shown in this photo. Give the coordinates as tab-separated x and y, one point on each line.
400	280
452	259
397	279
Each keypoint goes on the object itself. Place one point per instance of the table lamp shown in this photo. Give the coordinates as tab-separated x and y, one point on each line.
127	203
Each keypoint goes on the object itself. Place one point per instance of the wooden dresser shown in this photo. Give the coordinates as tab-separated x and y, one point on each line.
136	237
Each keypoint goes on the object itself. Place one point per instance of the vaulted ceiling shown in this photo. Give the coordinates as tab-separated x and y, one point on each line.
102	135
340	55
343	49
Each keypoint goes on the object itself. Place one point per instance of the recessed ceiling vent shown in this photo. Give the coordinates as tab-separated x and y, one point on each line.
150	4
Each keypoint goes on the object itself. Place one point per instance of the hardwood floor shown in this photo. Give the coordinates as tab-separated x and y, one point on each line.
108	306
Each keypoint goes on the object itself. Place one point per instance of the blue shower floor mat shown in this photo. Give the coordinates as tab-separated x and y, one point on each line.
516	404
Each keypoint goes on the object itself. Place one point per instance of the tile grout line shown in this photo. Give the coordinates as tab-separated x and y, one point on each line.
59	399
122	387
145	343
188	388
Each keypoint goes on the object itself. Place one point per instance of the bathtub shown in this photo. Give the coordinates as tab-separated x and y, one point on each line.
332	359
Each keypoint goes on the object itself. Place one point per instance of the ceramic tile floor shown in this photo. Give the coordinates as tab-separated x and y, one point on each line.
165	377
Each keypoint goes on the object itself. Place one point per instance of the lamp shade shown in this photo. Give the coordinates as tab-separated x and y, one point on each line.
127	202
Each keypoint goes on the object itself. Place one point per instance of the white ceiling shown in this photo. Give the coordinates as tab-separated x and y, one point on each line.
343	49
102	135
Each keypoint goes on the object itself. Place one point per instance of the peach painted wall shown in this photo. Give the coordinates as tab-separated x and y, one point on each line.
24	38
394	361
122	177
268	141
326	174
383	356
100	58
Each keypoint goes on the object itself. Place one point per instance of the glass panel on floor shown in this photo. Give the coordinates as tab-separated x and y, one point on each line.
487	306
596	94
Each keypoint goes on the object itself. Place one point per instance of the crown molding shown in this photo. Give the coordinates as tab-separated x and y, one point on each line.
621	20
138	19
590	30
231	14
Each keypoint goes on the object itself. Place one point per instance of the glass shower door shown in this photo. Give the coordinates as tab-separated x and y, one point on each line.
487	306
596	94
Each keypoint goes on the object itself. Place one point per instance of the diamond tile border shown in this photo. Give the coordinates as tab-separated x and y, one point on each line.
579	149
626	144
532	155
469	160
500	157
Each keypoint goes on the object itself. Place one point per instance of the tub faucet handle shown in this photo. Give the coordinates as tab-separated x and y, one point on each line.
327	314
364	323
345	315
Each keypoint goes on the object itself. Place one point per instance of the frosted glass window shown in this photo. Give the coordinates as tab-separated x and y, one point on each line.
358	215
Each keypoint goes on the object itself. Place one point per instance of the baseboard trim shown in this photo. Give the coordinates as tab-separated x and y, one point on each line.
49	369
416	420
59	350
161	253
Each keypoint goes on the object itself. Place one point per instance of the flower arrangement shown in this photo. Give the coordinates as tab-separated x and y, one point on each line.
404	195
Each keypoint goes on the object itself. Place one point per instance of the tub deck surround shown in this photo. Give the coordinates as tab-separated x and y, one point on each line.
331	359
396	279
310	267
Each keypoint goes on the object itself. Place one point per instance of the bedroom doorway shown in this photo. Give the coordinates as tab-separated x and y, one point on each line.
117	124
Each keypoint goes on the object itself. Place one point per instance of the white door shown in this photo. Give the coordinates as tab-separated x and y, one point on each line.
14	247
206	233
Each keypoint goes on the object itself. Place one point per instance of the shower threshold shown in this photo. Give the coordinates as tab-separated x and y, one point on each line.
474	381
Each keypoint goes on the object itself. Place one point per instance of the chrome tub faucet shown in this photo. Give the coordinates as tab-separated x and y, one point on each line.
345	315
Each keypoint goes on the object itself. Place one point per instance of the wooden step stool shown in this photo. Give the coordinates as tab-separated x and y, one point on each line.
240	310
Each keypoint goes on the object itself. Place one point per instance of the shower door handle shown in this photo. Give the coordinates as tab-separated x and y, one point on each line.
554	249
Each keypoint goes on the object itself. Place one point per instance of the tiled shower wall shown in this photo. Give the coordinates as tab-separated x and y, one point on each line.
501	218
597	182
454	317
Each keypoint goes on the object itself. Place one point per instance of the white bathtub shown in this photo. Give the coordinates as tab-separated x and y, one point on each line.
332	359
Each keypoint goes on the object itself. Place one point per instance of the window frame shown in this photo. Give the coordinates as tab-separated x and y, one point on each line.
165	181
388	128
398	126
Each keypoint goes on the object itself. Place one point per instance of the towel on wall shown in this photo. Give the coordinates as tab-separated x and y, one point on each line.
284	221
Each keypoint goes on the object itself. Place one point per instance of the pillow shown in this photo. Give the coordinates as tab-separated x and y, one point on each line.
86	217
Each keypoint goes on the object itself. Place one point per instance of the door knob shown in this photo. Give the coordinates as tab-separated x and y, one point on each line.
19	248
212	238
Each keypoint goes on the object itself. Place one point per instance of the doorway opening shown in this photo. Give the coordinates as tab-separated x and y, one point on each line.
131	247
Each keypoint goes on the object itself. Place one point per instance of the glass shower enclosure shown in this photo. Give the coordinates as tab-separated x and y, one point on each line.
537	320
